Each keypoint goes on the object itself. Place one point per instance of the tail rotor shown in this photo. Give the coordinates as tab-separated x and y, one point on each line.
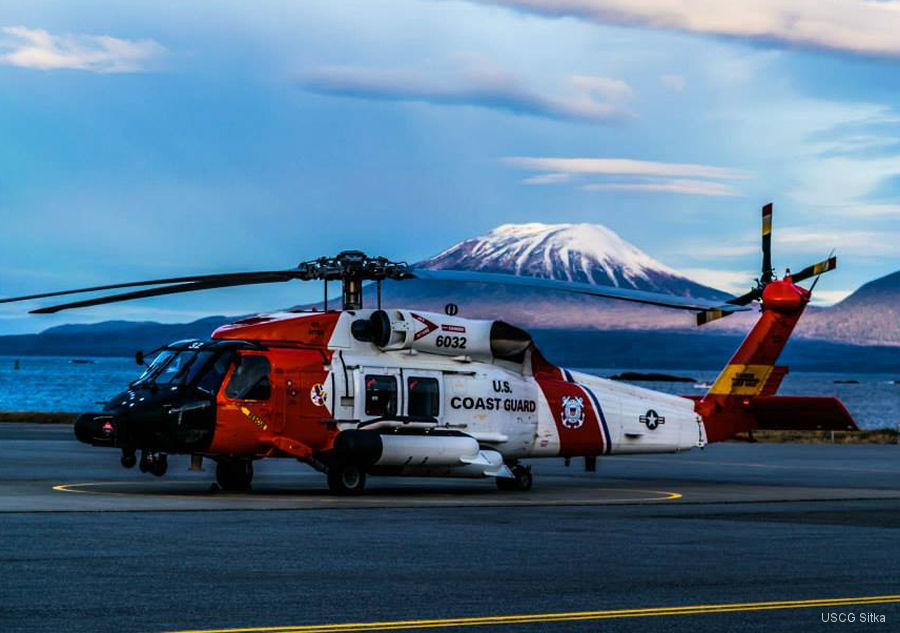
768	276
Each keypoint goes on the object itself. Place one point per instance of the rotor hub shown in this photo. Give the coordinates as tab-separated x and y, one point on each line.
352	268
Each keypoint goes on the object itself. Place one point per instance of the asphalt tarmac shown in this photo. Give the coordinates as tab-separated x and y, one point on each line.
733	538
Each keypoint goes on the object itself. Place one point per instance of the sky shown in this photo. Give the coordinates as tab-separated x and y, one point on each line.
149	139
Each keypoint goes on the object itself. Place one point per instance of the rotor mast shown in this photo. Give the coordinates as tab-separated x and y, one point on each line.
352	268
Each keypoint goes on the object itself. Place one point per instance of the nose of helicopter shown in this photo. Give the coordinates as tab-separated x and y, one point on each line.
98	429
176	421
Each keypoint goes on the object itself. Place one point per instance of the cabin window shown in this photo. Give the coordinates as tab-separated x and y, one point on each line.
250	380
381	395
424	397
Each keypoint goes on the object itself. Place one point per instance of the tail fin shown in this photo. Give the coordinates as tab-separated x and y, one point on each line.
743	396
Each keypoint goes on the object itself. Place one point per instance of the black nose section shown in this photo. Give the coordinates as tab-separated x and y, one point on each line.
98	429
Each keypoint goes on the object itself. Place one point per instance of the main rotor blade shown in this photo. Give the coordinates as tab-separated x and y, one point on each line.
153	282
710	315
611	292
274	277
768	274
815	270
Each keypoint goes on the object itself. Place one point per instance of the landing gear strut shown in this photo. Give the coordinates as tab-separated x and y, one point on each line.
234	474
521	479
346	479
155	463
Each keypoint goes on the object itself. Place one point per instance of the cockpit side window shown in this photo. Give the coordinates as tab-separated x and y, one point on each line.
250	380
381	395
176	367
212	378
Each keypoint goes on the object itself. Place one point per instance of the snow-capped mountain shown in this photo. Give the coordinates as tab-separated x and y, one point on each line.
587	253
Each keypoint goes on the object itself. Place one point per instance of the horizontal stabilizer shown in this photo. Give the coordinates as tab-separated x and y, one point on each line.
800	413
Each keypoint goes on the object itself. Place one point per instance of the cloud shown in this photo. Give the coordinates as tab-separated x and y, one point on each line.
681	186
40	50
871	210
547	179
623	166
590	99
733	281
641	175
801	246
830	297
854	26
706	250
673	81
860	243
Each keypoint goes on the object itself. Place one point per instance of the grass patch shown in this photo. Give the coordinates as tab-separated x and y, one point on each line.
870	436
38	417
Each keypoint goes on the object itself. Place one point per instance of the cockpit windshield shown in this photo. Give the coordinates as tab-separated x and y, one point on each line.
180	367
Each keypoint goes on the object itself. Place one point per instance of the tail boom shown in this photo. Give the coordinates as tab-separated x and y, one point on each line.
743	396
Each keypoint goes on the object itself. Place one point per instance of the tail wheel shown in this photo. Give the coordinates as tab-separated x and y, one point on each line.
346	479
234	474
521	479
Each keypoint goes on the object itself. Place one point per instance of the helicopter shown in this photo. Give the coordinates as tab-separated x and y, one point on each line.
401	392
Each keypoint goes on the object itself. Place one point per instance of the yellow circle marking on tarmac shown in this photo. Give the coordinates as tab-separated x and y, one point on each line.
85	488
565	617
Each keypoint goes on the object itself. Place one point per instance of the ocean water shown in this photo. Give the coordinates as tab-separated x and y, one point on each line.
874	402
52	383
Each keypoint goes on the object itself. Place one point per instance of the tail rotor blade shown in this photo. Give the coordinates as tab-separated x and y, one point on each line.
815	270
747	297
768	274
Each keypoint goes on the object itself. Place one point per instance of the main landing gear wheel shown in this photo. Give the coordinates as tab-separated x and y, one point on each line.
521	479
153	463
129	459
234	474
346	479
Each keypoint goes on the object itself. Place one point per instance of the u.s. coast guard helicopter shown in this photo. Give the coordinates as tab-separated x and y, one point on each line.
362	391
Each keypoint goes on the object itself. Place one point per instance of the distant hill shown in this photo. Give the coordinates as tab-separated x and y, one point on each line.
110	338
698	350
575	348
869	316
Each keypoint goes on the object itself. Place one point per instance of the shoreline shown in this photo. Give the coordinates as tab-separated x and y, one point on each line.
864	436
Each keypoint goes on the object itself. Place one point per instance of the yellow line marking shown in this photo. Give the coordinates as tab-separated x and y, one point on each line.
84	488
563	617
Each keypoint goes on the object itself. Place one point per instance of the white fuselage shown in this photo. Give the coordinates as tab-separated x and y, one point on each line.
508	406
